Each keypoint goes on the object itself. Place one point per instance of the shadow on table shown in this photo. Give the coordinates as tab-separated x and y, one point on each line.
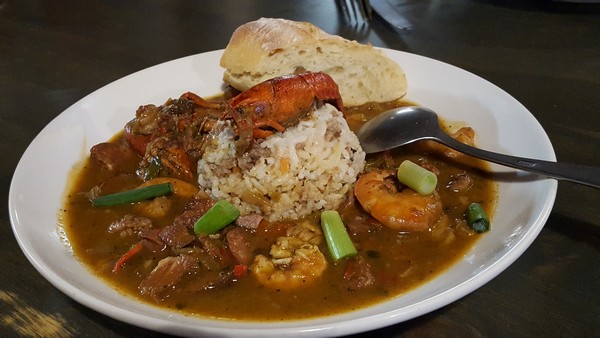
589	7
575	229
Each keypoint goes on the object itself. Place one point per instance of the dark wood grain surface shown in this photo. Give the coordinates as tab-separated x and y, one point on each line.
546	54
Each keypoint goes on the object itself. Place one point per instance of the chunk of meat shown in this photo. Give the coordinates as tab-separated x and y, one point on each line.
362	225
240	244
138	131
251	221
217	249
429	166
460	183
128	224
177	235
208	280
171	158
166	274
112	156
151	240
357	274
180	233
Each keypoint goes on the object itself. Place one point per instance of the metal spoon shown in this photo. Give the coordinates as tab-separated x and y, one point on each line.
405	125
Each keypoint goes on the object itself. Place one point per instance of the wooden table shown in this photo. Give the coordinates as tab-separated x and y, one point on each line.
546	54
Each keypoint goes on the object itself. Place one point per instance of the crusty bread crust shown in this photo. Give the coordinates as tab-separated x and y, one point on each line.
267	48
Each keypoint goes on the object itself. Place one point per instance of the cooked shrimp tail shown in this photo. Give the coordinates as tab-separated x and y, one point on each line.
399	208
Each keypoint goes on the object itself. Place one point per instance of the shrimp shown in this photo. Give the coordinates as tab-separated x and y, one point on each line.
295	260
399	209
306	232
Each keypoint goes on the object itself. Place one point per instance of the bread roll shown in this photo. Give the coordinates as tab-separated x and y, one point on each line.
267	48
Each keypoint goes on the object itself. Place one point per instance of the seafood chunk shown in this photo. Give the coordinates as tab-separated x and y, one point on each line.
294	262
278	103
398	208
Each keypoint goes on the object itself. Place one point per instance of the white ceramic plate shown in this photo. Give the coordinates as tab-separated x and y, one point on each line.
502	123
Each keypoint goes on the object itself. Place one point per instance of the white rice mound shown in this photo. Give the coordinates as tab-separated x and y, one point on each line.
307	168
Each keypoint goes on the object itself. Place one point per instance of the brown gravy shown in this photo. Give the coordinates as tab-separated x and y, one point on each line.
399	261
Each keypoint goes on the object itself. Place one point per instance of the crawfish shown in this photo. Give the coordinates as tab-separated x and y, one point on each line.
278	103
269	106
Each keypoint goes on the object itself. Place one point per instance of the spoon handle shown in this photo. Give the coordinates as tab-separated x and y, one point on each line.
581	174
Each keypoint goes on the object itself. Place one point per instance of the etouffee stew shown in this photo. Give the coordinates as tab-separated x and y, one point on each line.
128	245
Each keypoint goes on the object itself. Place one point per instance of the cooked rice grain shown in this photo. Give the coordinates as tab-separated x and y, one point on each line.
308	167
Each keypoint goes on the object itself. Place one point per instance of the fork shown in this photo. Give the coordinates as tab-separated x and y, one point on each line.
355	11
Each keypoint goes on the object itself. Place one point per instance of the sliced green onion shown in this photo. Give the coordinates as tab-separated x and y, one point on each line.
338	241
477	218
216	218
417	178
132	196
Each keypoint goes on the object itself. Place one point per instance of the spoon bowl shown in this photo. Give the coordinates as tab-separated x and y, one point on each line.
398	127
404	125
